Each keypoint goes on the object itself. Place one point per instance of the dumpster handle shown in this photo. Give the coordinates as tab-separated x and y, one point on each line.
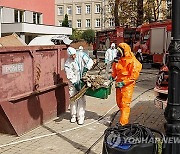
12	99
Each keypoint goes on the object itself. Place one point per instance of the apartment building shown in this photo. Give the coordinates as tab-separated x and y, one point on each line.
29	19
84	14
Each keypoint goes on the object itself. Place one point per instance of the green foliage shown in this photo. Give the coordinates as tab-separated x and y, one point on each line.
76	35
65	21
89	36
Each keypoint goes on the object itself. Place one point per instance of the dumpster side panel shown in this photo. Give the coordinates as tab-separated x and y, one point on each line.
45	68
63	91
15	74
31	112
34	87
6	127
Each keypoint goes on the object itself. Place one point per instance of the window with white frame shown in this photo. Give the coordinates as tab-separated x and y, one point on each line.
69	10
79	23
111	22
19	16
98	23
78	9
70	23
98	8
60	10
88	23
60	23
88	9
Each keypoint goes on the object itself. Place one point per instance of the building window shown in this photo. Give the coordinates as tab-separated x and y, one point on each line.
36	18
60	10
70	23
18	16
78	9
88	9
111	22
60	23
98	23
69	10
98	8
79	23
88	23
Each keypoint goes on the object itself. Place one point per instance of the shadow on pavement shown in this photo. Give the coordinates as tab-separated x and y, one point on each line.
88	115
74	144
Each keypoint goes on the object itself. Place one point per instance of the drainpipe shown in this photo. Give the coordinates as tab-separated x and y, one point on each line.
172	111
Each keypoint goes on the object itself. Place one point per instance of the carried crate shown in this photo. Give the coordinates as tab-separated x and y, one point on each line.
101	93
100	87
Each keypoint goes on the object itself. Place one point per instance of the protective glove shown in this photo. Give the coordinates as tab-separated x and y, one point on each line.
77	86
119	84
84	71
111	78
81	84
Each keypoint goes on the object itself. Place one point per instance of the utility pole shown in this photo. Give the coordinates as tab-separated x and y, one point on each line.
172	111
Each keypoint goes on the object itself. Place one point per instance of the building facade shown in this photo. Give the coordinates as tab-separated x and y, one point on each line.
84	14
29	19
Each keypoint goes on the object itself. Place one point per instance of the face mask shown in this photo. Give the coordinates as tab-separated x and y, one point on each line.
120	52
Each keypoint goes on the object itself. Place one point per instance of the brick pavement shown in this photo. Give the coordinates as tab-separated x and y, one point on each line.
56	136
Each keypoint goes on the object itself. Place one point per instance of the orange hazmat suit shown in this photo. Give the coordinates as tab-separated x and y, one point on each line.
126	71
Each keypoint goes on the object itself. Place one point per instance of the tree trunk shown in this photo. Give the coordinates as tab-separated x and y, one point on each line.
139	12
116	14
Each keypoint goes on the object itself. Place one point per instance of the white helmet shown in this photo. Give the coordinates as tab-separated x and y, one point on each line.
113	45
80	48
71	51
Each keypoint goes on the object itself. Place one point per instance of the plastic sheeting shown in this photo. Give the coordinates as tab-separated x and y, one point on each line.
50	40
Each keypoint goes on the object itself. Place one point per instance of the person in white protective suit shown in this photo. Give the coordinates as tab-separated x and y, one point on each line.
81	48
110	54
76	65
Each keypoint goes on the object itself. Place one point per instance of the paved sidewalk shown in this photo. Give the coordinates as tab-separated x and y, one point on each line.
62	137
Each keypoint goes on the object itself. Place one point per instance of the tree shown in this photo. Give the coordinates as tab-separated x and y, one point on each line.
65	21
136	12
116	12
124	12
140	12
76	35
153	9
89	36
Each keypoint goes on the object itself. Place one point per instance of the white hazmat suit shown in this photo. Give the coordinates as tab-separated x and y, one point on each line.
110	54
74	70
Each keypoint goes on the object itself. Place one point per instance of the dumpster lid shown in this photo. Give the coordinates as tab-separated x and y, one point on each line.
50	40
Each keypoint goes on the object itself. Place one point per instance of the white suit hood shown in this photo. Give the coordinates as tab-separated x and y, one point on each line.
71	51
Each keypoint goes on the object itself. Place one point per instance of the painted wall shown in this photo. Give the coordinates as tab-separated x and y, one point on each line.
46	7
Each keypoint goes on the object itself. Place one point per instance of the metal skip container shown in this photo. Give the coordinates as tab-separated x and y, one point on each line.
33	86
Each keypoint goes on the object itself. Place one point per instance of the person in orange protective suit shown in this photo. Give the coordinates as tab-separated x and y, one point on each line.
125	71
